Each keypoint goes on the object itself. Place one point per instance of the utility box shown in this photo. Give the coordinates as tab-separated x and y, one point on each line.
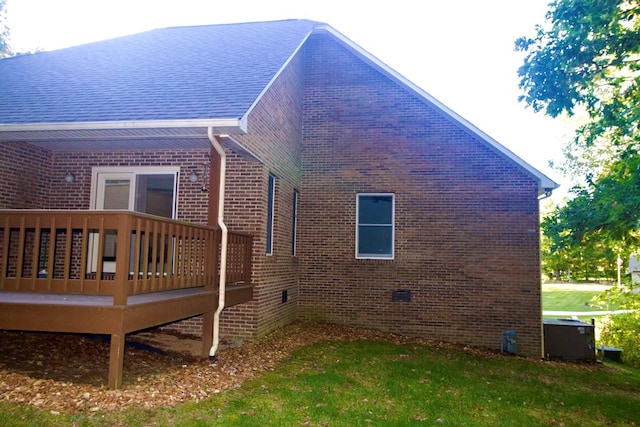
508	343
569	339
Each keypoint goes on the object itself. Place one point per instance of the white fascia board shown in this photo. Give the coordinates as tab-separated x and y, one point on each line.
544	182
237	124
275	76
228	142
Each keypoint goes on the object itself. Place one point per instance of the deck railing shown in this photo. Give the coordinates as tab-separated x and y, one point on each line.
116	253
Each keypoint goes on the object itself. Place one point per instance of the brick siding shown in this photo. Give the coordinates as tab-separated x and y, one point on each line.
25	174
275	136
466	236
330	126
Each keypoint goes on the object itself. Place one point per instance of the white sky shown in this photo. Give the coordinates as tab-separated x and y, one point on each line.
460	51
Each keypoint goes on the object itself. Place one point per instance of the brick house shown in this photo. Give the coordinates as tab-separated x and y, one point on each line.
369	203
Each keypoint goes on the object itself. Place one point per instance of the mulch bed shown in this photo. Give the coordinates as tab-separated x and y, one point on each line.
68	373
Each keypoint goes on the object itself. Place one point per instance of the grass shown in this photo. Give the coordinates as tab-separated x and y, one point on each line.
581	299
378	383
569	300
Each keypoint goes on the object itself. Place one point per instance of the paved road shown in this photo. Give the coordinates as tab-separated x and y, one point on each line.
583	313
576	286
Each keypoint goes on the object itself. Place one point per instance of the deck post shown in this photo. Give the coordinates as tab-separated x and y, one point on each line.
116	360
248	252
125	225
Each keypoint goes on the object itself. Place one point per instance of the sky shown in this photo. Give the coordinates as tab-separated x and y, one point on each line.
459	51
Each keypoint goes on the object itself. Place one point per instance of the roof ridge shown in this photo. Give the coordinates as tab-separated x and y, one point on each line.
223	24
178	73
177	27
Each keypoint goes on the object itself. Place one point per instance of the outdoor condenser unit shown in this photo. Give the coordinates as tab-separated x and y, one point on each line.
569	339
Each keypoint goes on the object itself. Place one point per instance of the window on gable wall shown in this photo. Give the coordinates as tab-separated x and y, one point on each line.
270	213
375	227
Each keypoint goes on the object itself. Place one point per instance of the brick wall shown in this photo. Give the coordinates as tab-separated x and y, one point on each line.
192	201
274	135
34	178
466	243
25	173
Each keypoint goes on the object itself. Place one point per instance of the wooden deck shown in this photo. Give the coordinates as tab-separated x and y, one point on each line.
96	272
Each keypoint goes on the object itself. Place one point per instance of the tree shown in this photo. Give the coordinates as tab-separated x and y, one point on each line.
600	222
5	49
573	244
587	58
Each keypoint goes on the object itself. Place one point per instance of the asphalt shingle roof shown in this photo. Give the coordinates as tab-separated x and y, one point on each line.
172	74
180	73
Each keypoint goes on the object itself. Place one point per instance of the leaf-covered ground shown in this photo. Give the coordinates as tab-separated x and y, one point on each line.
67	373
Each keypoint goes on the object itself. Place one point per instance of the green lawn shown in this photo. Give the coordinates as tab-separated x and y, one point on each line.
580	299
559	299
368	383
378	383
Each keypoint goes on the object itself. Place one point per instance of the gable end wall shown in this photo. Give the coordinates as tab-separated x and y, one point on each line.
467	242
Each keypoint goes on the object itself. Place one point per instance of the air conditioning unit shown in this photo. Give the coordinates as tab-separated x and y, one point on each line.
569	339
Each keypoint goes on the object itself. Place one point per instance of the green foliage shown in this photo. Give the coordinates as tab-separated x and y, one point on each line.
623	330
586	59
600	223
616	197
5	49
587	56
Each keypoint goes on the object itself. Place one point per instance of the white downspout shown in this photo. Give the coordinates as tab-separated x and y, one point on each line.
223	252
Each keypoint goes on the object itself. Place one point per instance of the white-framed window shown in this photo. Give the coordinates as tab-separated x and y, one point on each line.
146	189
270	213
375	225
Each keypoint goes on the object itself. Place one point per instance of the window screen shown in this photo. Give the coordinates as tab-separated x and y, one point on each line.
375	226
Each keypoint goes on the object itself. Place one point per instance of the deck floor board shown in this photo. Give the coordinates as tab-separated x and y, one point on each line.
93	300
